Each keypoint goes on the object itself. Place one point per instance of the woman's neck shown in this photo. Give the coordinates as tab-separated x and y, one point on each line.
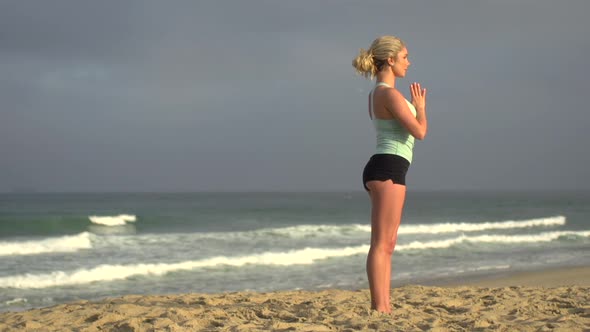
387	77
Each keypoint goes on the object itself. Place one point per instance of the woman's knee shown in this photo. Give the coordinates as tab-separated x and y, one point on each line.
384	247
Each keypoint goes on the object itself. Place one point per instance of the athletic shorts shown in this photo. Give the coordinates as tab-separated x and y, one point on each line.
385	167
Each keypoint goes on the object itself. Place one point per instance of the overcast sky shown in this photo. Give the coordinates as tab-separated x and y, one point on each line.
261	95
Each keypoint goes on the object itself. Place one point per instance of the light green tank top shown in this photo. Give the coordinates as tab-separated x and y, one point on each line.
392	136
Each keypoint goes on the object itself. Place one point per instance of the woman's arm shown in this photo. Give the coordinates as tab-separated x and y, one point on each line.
418	125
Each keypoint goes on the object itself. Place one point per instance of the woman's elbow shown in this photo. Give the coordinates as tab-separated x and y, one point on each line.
420	135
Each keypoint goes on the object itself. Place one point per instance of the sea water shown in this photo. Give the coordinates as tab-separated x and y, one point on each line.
57	248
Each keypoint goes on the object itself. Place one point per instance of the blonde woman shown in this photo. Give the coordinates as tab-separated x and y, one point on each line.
397	123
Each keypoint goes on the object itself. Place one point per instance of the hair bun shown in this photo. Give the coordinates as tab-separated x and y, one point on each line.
369	62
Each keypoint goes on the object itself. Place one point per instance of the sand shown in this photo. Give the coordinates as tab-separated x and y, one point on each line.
550	300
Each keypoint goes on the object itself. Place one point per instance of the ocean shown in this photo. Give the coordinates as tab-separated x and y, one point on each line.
57	248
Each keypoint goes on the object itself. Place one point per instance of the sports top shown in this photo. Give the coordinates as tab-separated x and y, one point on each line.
392	136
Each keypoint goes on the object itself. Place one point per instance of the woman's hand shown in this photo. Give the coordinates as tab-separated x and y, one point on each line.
418	96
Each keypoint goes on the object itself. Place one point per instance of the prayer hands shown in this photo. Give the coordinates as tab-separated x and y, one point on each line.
418	96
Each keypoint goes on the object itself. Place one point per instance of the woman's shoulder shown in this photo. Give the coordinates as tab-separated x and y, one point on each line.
393	94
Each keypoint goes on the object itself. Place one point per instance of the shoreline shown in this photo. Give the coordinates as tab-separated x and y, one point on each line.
556	298
542	277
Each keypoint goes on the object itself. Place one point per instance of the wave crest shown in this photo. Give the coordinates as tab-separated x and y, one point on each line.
294	257
119	220
440	228
68	243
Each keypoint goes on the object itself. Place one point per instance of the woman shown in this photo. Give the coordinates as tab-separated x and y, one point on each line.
397	122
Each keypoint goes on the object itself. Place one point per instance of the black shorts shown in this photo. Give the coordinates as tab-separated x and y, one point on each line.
385	167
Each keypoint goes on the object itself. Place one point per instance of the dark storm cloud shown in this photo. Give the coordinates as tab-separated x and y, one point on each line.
260	95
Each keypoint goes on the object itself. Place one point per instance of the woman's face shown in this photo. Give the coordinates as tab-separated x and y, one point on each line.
401	63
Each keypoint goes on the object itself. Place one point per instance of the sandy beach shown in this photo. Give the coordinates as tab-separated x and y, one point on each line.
549	300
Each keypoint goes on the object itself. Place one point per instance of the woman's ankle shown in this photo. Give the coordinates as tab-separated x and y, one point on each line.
383	309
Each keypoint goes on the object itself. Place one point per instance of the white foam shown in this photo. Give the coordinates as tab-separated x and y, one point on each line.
481	269
116	272
119	220
295	257
351	231
541	237
329	230
476	227
491	267
301	231
68	243
16	301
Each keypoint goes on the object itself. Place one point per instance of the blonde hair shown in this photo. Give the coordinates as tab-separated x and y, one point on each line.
369	62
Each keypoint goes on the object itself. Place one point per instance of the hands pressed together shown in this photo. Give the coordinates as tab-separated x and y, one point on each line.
418	96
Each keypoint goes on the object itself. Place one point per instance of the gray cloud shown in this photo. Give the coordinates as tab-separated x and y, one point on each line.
260	95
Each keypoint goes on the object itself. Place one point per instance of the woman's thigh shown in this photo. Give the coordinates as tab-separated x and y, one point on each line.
387	200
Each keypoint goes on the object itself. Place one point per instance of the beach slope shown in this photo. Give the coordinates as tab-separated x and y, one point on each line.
558	301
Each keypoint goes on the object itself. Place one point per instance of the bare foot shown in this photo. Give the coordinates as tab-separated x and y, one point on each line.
381	310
